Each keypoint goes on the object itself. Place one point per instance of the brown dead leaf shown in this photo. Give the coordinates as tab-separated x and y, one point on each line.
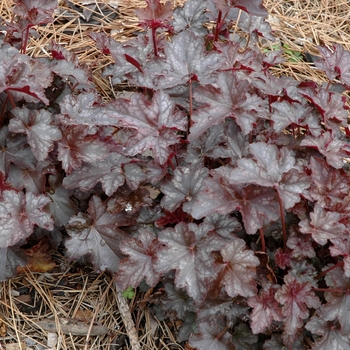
84	315
24	298
3	328
39	258
16	346
153	192
264	272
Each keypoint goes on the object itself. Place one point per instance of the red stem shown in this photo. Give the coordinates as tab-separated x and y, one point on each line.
155	49
330	290
191	102
262	238
283	223
340	263
11	99
25	42
2	113
218	26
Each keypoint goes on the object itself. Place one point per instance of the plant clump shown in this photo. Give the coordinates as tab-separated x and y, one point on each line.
220	185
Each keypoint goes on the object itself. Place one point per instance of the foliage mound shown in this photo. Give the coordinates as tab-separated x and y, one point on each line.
221	186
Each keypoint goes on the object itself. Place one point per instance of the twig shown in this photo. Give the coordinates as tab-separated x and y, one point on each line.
127	320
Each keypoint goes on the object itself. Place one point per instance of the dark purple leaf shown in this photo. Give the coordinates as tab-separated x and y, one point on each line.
294	114
324	225
211	337
332	107
341	246
253	7
255	26
330	332
273	168
178	301
109	172
336	62
171	218
39	128
219	307
183	187
191	17
132	61
97	236
19	213
23	74
228	143
186	58
87	109
228	98
188	248
10	259
14	149
134	176
243	337
338	302
61	207
296	298
257	205
67	66
157	124
207	145
224	225
265	310
282	259
300	245
155	172
32	179
36	11
245	63
142	252
78	145
329	187
137	49
102	41
333	148
237	271
303	271
155	11
276	343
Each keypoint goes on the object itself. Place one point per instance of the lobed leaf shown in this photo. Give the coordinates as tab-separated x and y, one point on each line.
142	254
295	298
187	250
19	213
39	128
96	235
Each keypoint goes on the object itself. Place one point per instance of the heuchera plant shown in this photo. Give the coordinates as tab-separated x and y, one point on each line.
220	185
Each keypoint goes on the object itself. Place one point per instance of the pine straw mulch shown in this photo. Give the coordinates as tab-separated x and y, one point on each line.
305	24
72	307
75	292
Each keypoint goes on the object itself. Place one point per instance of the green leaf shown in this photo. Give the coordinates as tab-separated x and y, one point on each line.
129	293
